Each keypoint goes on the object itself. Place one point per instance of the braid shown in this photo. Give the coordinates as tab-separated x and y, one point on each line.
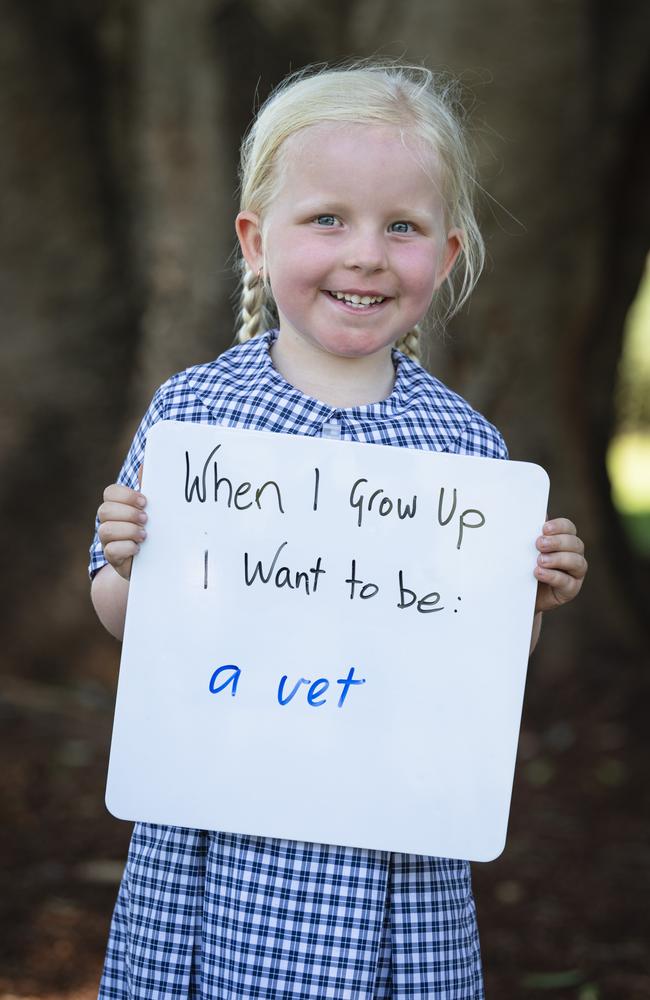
252	305
409	344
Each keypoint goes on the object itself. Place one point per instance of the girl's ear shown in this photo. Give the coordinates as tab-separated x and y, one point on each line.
450	251
249	234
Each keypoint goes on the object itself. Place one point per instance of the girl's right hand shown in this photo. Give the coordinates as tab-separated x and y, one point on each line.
121	528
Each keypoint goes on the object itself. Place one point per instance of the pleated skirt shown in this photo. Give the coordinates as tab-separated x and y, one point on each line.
219	916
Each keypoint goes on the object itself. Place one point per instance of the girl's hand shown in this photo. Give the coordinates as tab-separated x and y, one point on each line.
561	565
121	530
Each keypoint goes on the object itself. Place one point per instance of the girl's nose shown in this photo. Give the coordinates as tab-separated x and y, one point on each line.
366	252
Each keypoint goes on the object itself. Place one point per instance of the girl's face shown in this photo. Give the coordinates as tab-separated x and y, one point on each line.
353	244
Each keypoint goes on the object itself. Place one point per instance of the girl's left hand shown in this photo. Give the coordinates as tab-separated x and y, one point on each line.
561	565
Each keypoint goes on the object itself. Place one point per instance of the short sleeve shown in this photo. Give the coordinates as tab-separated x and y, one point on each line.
502	448
128	475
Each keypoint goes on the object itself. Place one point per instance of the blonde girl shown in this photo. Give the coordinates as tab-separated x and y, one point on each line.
356	227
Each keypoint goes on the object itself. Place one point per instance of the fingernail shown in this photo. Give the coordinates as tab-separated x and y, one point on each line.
543	560
142	533
141	500
142	518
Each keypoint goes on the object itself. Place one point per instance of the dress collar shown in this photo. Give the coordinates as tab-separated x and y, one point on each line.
243	388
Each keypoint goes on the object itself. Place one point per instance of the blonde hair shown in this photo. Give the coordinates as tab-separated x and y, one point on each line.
423	105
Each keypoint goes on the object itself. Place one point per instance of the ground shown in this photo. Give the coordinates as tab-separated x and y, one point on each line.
563	913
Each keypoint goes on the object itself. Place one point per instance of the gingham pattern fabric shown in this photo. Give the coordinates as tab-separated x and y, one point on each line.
222	916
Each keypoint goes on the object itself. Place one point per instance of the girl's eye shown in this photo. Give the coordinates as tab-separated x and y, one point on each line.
402	227
326	220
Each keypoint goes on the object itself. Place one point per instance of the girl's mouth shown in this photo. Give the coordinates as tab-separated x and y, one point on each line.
356	301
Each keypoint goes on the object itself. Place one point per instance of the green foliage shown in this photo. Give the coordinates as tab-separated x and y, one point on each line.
552	980
633	389
637	528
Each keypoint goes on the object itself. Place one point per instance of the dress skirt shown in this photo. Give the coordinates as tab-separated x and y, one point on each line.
219	916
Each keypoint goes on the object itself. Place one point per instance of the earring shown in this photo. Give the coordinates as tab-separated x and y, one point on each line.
260	279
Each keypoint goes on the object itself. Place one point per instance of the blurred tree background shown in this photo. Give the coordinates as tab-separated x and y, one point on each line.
120	124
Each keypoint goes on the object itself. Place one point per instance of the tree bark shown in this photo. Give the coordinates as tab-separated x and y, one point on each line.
183	190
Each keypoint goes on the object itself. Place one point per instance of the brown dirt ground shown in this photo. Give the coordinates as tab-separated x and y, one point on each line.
563	913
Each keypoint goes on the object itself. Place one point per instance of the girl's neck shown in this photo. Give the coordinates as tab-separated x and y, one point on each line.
334	380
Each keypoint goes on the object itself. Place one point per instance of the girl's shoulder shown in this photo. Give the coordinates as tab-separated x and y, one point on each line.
459	427
233	374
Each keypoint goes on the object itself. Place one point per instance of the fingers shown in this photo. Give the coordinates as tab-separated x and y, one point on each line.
120	530
121	526
560	550
111	510
563	570
555	588
560	542
561	565
120	556
122	504
560	526
122	494
571	563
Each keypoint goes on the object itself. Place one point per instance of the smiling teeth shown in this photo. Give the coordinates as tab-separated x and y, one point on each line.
360	301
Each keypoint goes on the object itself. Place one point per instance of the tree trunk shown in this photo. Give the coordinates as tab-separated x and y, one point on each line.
182	191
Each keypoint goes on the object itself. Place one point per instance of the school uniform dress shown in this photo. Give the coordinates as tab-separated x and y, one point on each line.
221	915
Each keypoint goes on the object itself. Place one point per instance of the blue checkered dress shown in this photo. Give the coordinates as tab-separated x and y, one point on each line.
221	915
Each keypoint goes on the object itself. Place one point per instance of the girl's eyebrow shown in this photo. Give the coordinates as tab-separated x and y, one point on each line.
318	203
322	205
414	212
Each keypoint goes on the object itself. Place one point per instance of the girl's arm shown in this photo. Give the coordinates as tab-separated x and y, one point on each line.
109	592
121	532
537	628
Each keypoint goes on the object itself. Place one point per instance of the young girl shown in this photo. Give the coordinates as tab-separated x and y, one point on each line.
356	219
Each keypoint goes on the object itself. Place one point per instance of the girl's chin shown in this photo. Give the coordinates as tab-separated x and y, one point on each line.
332	340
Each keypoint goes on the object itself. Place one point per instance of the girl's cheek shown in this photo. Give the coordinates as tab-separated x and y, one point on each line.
418	261
422	273
304	254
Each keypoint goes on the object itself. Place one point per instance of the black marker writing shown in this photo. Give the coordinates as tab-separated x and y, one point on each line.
463	521
367	591
284	576
316	485
425	605
384	506
200	490
236	495
443	521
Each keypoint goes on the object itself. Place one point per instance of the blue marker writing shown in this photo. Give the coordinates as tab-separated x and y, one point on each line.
233	678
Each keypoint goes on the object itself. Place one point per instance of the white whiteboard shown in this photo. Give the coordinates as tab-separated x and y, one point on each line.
398	609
